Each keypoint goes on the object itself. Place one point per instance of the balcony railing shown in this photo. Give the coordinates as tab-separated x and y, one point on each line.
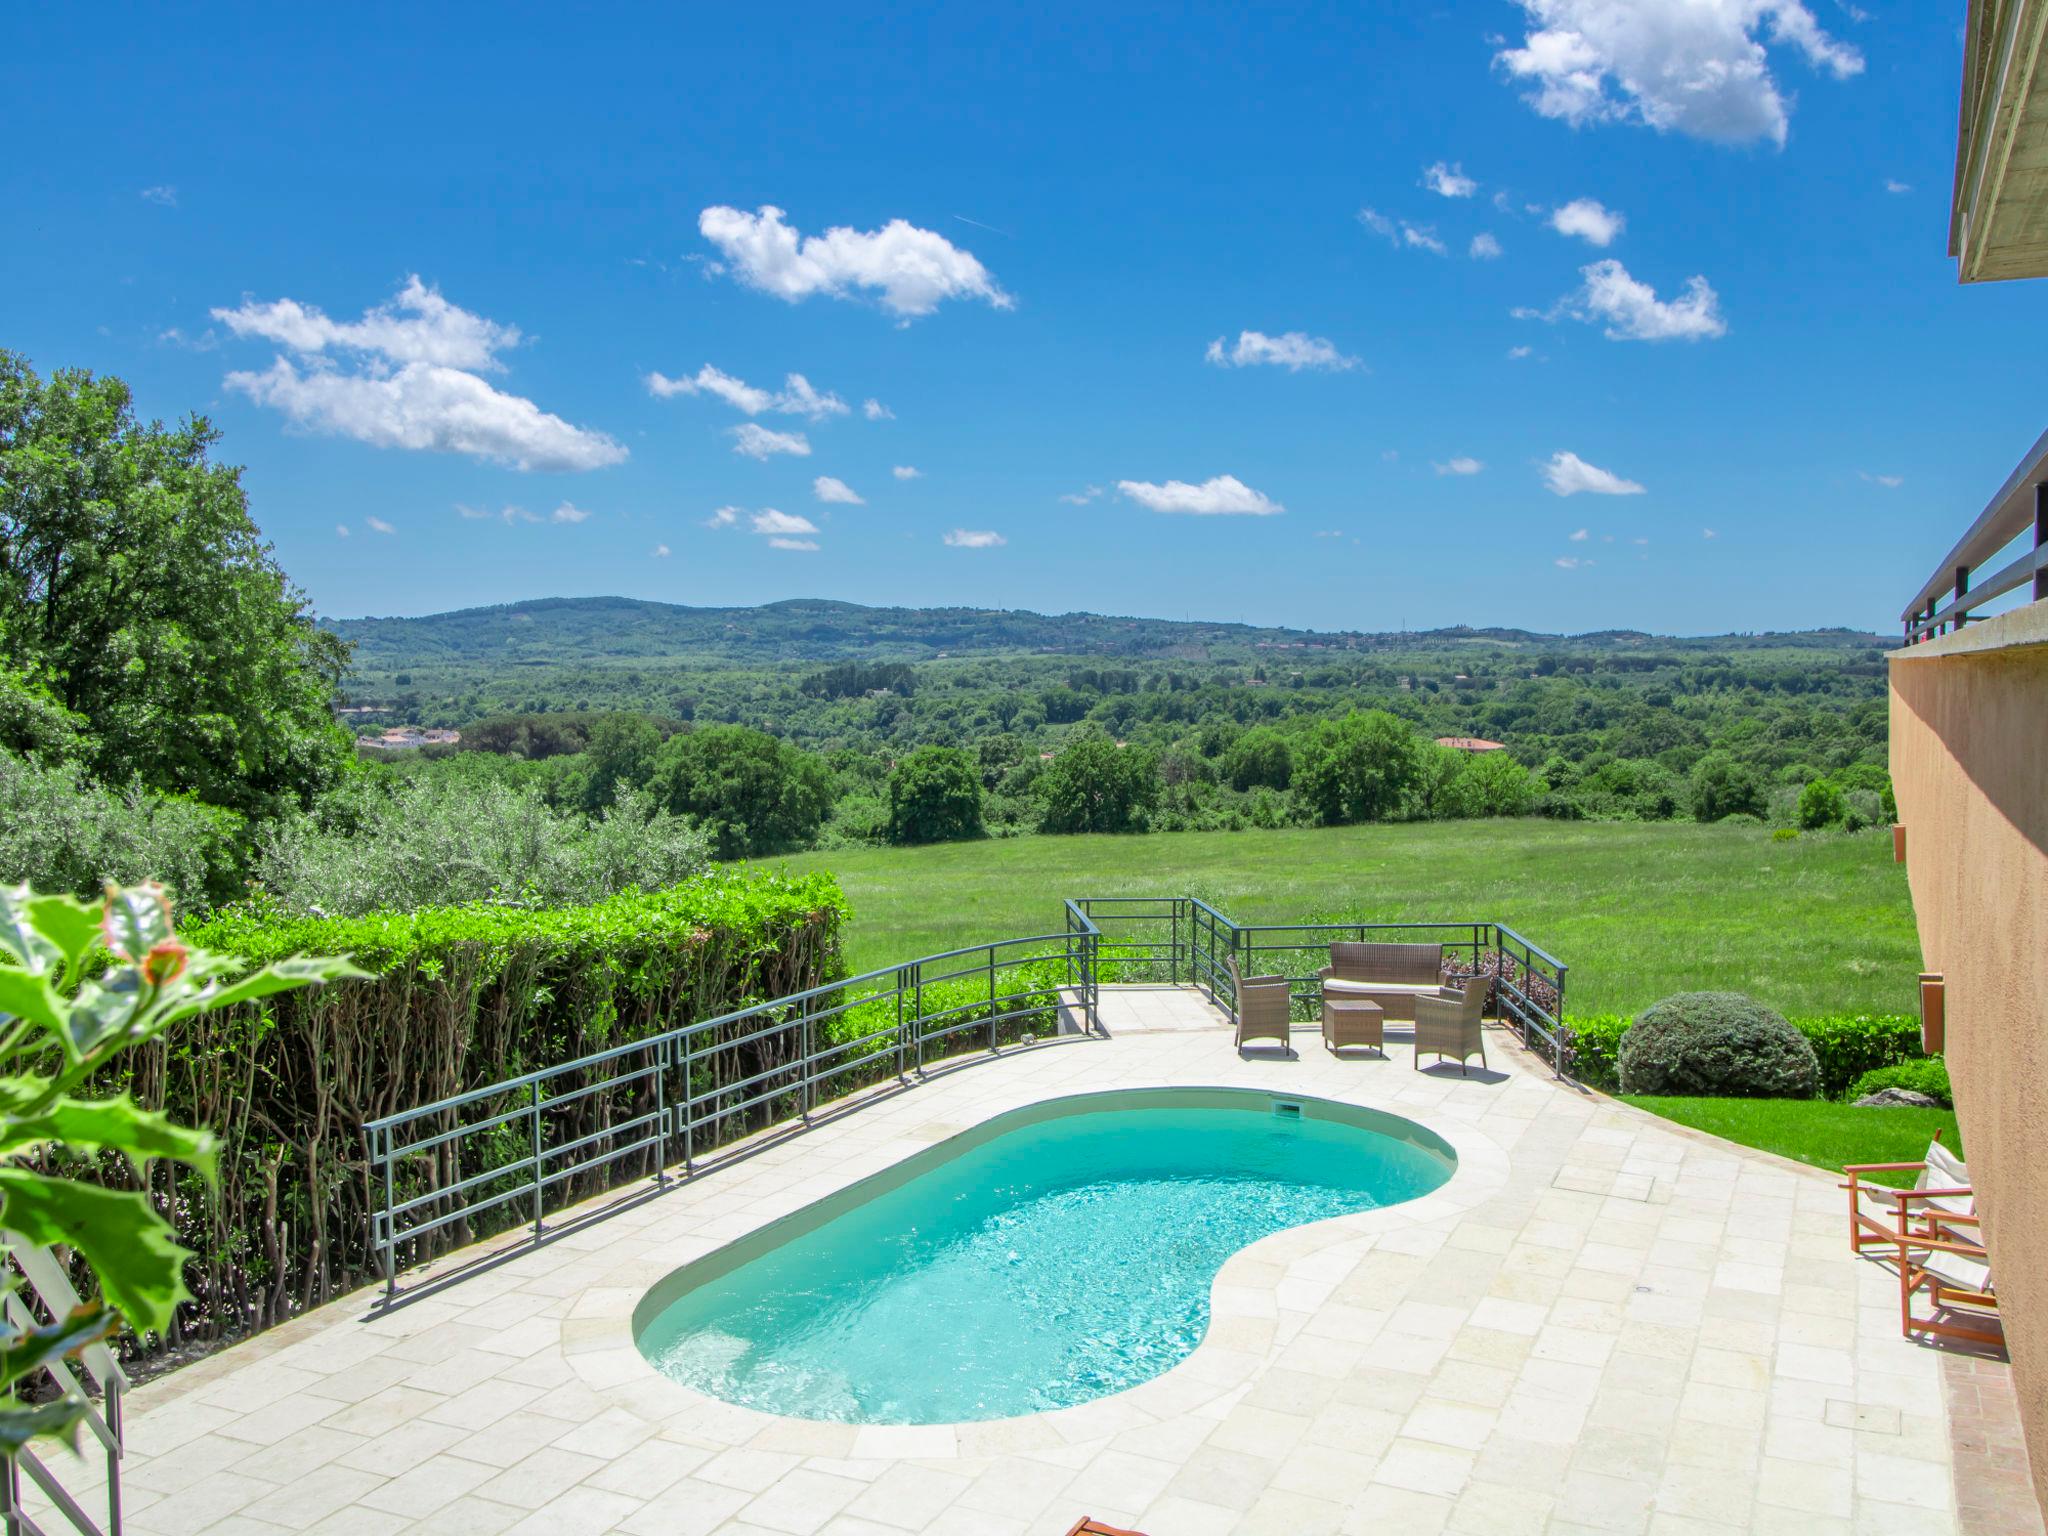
2012	529
513	1152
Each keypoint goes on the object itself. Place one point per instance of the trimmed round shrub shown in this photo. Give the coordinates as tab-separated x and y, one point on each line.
1928	1075
1717	1045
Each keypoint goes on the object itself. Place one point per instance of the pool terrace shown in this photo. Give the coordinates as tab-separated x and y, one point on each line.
1602	1322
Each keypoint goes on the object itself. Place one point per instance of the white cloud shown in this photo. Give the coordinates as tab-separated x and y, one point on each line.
417	326
1082	498
1570	562
971	538
414	382
1462	465
661	551
1449	180
1400	233
1895	187
911	270
1221	495
1581	536
1708	533
724	517
1516	354
1484	247
1889	482
341	530
1587	219
768	520
378	525
907	472
569	512
757	442
163	197
781	543
1292	350
796	398
874	410
424	406
205	341
1631	310
830	488
1696	67
1567	474
799	399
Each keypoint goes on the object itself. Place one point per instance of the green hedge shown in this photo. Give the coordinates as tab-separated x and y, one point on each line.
460	997
1848	1045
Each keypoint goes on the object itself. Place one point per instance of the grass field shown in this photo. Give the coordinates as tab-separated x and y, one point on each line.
1816	1131
1637	910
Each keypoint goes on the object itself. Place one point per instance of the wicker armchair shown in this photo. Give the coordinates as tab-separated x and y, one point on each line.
1265	1006
1448	1024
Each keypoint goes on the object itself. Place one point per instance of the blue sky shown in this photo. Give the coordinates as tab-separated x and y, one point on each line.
397	255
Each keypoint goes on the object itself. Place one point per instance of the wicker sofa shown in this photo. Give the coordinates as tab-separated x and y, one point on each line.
1392	975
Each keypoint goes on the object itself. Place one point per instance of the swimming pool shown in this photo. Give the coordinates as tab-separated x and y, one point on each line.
1050	1256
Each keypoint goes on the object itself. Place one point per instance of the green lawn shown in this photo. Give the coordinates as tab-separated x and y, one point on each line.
1815	1131
1637	910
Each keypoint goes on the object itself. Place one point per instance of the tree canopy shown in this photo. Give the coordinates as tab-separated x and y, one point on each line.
136	589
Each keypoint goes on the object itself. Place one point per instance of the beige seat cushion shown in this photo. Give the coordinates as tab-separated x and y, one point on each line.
1338	987
1959	1271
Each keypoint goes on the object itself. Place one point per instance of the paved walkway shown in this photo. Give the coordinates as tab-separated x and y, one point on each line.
1602	1323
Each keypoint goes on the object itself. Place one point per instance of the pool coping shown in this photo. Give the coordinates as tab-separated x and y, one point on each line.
1245	1300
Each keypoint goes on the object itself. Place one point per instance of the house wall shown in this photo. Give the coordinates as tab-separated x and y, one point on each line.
1969	756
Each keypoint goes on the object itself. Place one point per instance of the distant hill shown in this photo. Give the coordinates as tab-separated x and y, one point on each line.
557	630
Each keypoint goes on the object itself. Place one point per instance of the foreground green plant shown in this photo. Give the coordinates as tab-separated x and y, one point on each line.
81	983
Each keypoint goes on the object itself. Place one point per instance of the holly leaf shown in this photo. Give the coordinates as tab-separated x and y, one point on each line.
110	1125
279	976
28	995
20	1423
69	925
137	918
101	1011
18	936
130	1248
25	1352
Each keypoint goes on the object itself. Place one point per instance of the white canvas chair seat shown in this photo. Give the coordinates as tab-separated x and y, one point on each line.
1958	1271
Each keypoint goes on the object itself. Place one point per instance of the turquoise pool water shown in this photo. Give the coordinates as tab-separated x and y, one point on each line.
1055	1255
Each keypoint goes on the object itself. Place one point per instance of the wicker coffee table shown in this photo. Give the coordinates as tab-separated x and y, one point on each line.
1351	1021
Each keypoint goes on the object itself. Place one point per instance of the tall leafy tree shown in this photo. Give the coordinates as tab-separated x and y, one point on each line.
752	793
136	587
1357	768
1096	786
934	797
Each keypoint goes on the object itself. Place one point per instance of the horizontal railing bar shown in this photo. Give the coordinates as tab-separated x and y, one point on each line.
2015	574
684	1032
2003	519
1532	948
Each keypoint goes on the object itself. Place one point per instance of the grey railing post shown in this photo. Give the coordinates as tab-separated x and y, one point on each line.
902	1042
804	1041
991	997
388	1255
539	1188
661	1134
917	1011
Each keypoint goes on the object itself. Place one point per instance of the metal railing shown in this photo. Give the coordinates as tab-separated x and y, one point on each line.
507	1153
2018	514
558	1134
50	1290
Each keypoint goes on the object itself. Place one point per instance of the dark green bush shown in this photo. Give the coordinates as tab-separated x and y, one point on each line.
1719	1045
1846	1045
1929	1075
935	797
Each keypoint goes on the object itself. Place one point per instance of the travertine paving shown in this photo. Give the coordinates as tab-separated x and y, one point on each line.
1602	1323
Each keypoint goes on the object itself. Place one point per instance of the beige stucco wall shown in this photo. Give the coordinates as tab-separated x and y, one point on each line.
1969	753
